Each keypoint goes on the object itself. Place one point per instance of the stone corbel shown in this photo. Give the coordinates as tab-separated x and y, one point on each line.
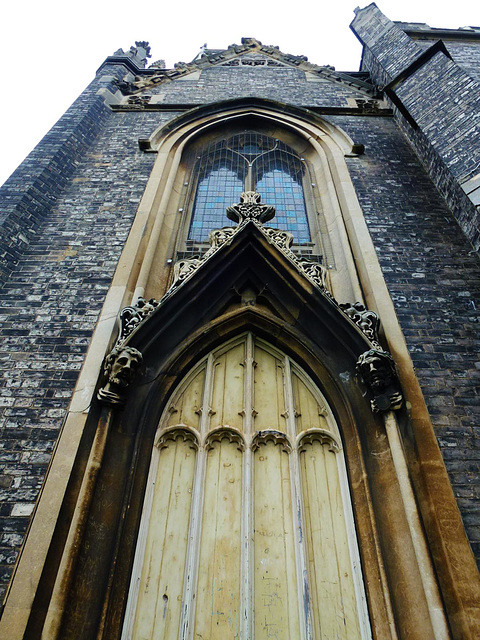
377	369
120	368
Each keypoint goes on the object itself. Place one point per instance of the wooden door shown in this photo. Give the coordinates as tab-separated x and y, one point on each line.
247	531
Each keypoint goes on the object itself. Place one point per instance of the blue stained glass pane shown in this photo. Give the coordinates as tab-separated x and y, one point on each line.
277	175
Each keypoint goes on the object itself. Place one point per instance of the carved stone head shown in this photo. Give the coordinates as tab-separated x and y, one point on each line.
378	371
120	367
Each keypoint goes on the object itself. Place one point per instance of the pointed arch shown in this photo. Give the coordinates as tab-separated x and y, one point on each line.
290	313
270	523
161	212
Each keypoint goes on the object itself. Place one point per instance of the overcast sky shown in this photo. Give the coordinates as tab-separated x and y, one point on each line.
51	49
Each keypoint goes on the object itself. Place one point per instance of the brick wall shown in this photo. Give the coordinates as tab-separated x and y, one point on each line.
439	108
67	213
50	304
433	276
284	84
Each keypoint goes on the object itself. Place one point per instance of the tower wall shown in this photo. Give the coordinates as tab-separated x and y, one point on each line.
438	105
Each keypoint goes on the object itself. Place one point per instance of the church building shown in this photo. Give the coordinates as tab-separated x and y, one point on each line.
240	349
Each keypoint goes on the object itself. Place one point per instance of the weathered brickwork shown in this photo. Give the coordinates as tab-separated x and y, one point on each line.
283	84
391	47
466	214
451	126
49	308
467	56
29	193
441	103
466	53
434	279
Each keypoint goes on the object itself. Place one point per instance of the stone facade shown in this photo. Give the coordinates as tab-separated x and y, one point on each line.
442	117
433	277
68	209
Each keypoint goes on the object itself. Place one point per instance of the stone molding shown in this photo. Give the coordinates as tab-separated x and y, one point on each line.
375	365
250	49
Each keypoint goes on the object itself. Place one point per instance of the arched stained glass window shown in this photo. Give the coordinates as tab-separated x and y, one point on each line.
249	161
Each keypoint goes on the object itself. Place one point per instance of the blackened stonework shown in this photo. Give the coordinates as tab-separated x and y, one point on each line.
433	276
437	101
391	47
465	212
30	192
466	53
50	304
429	102
286	85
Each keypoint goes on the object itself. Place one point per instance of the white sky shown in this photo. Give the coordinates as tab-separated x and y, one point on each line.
51	49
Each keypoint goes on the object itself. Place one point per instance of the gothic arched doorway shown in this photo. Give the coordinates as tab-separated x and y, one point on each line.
247	528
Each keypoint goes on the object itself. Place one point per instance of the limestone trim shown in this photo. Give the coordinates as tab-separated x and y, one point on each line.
458	580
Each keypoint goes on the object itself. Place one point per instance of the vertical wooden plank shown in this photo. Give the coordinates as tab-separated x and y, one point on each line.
308	411
276	602
330	569
268	392
323	567
161	584
185	409
218	591
345	569
227	397
247	562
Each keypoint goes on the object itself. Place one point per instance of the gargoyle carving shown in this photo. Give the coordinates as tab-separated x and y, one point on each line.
120	367
377	369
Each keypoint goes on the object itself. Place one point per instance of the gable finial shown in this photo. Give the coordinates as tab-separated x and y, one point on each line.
249	208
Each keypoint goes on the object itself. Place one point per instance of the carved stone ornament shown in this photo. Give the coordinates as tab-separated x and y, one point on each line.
377	369
250	208
120	367
366	320
250	53
130	317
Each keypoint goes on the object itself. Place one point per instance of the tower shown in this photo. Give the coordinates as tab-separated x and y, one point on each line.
248	451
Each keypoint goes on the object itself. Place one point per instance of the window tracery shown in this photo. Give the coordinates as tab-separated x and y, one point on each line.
249	161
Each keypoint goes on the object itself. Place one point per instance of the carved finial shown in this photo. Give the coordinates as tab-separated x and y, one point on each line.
249	208
377	368
143	44
120	367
